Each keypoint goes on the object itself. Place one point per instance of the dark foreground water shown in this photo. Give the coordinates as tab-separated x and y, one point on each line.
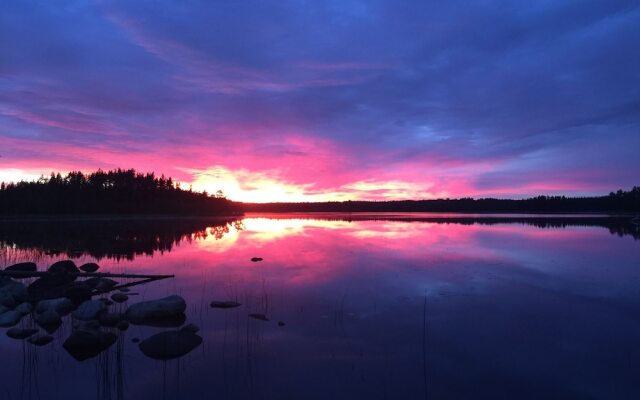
371	307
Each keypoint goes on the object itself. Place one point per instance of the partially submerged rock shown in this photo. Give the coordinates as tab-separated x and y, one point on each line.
256	259
49	320
83	345
10	318
61	305
193	328
21	333
89	267
169	345
64	267
170	308
224	304
122	325
119	297
91	325
261	317
88	310
105	283
12	293
24	308
111	319
23	267
40	340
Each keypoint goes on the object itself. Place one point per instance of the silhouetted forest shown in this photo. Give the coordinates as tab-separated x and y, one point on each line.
109	192
129	192
615	202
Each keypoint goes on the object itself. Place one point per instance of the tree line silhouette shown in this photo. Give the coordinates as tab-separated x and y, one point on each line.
129	192
109	192
616	202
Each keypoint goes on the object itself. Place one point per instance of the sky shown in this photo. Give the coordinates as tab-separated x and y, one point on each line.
327	100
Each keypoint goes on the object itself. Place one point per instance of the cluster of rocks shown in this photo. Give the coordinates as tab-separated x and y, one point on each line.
58	293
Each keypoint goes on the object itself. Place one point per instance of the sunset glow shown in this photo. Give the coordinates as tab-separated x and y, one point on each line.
330	101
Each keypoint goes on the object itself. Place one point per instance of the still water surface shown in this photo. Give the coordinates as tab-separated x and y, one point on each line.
373	307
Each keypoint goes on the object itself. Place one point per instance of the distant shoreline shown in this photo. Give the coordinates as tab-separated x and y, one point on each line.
115	217
435	215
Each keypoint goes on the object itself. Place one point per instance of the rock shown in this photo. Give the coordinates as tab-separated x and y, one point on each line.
61	305
169	345
91	325
91	282
119	297
40	340
19	333
77	292
88	310
122	325
261	317
124	289
89	267
280	323
23	267
13	293
48	319
3	309
24	308
105	283
135	340
111	319
64	267
50	287
256	259
224	304
83	345
161	309
10	318
193	328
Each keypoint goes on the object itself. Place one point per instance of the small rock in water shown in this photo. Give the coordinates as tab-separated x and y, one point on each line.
90	309
91	325
256	259
66	266
135	340
24	308
61	305
280	323
107	302
105	283
111	319
261	317
193	328
122	325
156	310
10	318
169	345
89	267
48	319
224	304
19	333
40	340
23	267
83	345
119	297
13	293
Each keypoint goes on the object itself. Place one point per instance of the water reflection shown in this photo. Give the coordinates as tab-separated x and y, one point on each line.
104	238
377	307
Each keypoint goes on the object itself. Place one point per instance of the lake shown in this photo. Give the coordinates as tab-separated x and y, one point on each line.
373	306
